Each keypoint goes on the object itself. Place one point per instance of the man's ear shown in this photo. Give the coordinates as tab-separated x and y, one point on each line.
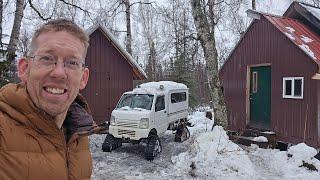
84	78
23	69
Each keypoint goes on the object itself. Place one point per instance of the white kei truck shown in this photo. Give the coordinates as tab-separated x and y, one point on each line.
145	113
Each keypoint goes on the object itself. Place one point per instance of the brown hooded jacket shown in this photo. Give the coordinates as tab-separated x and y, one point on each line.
33	147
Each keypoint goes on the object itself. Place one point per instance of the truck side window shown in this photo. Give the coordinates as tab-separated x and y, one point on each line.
178	97
160	103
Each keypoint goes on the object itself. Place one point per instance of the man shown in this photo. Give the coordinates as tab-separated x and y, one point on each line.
44	122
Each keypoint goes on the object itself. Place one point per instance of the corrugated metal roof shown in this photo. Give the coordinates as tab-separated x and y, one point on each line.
299	34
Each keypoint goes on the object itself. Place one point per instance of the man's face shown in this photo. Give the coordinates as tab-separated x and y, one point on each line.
54	89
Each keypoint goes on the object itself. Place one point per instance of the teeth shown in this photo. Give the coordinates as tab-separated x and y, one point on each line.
55	90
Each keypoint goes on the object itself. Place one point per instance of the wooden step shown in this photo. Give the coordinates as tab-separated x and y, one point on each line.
247	141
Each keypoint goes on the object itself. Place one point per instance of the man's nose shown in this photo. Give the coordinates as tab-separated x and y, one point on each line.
59	70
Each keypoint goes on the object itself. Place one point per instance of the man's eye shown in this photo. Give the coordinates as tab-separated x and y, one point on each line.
72	63
46	58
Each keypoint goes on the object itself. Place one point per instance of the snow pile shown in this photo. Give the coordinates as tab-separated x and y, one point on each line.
287	164
302	152
199	123
213	155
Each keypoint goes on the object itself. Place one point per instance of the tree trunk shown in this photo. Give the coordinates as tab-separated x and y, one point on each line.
128	21
1	11
253	4
153	61
207	41
12	47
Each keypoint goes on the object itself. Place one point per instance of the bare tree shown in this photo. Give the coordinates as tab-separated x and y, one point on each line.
7	67
15	32
24	42
316	3
205	20
147	18
128	25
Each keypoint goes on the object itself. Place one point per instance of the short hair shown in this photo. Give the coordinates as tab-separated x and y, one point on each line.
61	25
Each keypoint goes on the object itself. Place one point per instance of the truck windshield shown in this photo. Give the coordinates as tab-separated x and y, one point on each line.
143	101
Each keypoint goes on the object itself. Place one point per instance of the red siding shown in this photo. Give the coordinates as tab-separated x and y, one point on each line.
264	43
110	76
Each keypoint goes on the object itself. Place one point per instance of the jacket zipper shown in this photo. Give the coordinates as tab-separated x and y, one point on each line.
66	151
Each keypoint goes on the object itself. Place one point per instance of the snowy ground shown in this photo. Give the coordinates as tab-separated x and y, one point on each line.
206	155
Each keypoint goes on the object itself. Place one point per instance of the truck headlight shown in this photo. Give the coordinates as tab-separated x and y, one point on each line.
144	123
112	120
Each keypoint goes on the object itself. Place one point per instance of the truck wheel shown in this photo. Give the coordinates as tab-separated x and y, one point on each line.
108	143
153	147
182	133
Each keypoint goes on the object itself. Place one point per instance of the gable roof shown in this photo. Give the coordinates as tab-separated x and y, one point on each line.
298	33
305	13
315	11
138	71
302	36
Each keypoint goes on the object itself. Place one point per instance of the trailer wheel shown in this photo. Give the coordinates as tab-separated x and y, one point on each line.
153	147
108	143
182	133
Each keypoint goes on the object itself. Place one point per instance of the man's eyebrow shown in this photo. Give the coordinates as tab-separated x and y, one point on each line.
54	53
50	51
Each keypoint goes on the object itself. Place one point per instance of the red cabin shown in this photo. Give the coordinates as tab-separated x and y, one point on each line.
271	78
112	72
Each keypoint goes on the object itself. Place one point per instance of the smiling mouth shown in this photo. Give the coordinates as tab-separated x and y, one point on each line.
56	91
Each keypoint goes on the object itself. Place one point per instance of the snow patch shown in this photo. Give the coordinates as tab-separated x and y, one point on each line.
284	166
165	84
290	29
307	50
306	39
154	87
260	139
289	36
268	132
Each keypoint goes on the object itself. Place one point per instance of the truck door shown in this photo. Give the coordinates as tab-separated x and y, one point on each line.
160	115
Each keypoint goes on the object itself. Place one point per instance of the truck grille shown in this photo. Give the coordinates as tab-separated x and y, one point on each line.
124	123
126	132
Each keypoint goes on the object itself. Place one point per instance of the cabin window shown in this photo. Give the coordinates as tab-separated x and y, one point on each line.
160	105
293	87
178	97
254	82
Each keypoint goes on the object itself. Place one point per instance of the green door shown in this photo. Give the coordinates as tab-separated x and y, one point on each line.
260	97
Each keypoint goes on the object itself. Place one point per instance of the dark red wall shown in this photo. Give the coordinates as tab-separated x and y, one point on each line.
263	43
110	76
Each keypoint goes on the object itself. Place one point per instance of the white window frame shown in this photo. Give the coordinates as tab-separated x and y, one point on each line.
292	87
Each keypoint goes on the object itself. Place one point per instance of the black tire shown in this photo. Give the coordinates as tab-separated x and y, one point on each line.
108	144
182	133
153	147
117	143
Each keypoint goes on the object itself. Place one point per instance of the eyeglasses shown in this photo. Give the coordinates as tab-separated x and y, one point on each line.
50	61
